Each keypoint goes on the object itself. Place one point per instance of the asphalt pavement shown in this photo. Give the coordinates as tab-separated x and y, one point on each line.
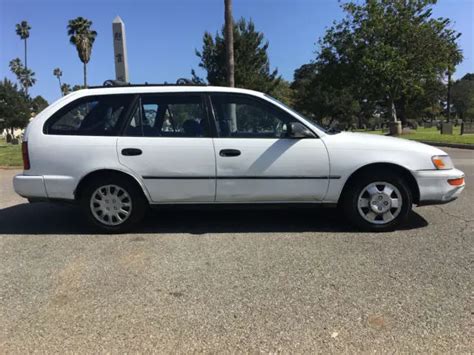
289	280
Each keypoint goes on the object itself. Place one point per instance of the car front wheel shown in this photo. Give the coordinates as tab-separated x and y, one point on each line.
380	202
113	204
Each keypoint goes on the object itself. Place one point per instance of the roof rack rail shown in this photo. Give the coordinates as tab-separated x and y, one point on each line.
118	83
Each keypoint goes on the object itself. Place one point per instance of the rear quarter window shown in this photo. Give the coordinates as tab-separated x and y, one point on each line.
90	116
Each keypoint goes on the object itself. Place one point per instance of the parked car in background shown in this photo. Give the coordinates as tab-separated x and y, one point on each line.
117	150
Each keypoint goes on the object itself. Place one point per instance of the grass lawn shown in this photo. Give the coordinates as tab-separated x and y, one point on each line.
10	155
433	135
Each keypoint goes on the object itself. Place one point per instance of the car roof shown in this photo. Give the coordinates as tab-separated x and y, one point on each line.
145	89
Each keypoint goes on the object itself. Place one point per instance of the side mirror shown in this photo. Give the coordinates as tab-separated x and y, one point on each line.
298	130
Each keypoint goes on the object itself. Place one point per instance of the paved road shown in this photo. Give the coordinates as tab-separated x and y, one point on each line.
236	280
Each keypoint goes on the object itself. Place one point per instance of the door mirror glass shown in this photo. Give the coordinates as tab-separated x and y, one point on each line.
298	130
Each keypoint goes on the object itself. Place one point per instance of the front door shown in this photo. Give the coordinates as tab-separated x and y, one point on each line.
167	143
257	162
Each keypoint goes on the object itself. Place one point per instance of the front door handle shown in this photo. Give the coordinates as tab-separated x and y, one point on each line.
229	153
131	151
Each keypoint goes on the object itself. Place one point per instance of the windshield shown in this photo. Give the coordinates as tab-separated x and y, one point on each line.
313	122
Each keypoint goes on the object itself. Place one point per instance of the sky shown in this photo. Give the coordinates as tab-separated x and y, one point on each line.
162	35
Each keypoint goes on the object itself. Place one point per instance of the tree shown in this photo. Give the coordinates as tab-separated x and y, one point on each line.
428	102
65	89
38	104
14	107
27	79
284	93
16	66
23	30
463	97
58	74
25	76
77	87
384	51
324	93
83	37
252	66
229	42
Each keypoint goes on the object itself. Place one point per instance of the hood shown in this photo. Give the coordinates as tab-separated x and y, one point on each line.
367	141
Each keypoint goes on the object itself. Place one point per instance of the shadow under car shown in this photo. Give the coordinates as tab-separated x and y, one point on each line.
51	218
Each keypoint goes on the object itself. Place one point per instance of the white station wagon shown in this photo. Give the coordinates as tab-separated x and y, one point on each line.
118	150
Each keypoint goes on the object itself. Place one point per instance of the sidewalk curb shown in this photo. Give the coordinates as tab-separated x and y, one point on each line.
8	167
449	145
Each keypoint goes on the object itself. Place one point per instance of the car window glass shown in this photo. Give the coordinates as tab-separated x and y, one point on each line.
94	116
169	116
149	114
134	128
244	117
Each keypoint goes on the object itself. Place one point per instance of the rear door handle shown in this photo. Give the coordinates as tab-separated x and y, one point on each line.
131	151
229	153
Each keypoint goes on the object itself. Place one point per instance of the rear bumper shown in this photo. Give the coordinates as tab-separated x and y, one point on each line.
434	187
29	186
37	187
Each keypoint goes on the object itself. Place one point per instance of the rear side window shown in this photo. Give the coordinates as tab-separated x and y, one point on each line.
90	116
169	115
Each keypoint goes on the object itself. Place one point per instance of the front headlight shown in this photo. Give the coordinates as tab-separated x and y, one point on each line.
442	162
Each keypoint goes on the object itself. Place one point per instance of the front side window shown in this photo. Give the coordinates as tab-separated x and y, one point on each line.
90	116
240	116
169	115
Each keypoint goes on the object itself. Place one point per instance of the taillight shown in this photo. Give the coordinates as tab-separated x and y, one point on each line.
26	157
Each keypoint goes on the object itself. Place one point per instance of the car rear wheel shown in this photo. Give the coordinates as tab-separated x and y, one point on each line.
378	203
113	204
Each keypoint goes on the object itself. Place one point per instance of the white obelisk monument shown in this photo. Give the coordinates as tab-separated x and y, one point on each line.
120	50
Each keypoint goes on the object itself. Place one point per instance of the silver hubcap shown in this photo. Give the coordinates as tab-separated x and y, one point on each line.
111	205
379	202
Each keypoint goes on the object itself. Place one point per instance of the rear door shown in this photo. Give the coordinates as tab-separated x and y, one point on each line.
257	162
167	143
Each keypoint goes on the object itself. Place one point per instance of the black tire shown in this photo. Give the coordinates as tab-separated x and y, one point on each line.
137	199
350	202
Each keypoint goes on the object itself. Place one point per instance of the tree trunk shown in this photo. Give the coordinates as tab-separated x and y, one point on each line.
229	46
400	110
229	42
448	99
26	63
60	89
26	66
393	110
85	75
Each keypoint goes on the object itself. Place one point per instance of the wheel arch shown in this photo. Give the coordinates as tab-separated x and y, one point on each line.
395	168
96	174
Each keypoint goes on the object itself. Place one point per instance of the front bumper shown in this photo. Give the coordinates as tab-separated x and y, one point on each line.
434	187
29	186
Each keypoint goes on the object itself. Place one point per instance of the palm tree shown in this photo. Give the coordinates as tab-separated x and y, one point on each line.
16	66
83	38
58	74
65	89
229	42
77	87
27	79
23	30
24	76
